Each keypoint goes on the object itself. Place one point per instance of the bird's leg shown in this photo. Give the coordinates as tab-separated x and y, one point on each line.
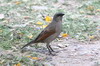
51	49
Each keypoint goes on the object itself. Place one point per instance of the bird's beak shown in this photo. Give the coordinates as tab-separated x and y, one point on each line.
63	14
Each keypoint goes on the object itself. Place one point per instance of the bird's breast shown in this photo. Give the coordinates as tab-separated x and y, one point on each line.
58	27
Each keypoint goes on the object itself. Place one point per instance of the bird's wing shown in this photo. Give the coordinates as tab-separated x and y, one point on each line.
44	34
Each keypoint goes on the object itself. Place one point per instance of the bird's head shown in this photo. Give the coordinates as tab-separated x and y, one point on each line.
58	17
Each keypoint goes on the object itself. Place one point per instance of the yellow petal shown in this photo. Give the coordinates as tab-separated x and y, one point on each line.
19	64
64	35
39	23
48	19
30	36
81	12
35	58
90	7
1	61
1	30
98	10
28	56
17	2
44	26
91	37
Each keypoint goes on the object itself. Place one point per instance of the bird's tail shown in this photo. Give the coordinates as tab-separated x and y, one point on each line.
28	44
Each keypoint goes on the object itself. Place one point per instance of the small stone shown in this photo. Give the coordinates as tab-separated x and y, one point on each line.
61	46
10	56
63	61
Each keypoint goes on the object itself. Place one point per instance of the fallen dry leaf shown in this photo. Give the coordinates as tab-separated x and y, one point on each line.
64	35
19	64
39	23
44	26
35	58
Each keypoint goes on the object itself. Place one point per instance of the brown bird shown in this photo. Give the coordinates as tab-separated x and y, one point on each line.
50	33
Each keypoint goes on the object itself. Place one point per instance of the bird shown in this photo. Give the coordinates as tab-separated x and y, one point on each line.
50	33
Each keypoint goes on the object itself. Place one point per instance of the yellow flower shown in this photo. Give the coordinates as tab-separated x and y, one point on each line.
92	37
17	2
1	30
19	64
39	23
35	58
64	35
81	12
30	36
48	18
2	61
90	8
28	56
6	21
44	26
98	10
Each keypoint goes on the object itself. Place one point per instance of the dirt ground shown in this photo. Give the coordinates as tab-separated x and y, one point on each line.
76	53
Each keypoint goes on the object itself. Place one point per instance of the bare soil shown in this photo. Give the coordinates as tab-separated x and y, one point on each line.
77	53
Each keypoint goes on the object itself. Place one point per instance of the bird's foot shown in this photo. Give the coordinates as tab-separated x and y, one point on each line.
52	54
56	51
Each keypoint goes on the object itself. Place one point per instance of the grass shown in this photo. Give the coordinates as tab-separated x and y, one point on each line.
19	23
